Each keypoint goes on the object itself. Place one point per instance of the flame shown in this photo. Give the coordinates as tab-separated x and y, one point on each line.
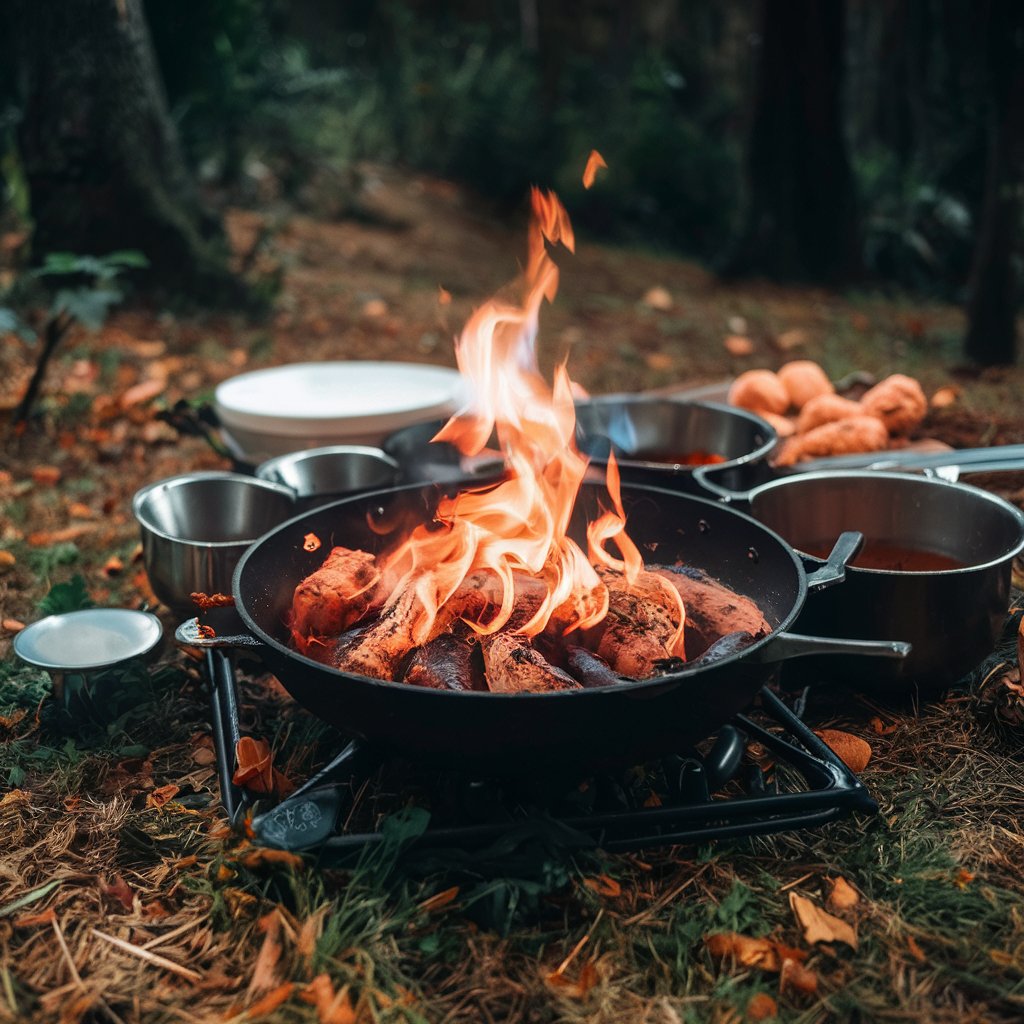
594	161
518	527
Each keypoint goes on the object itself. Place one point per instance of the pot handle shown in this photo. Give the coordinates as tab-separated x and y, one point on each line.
797	645
847	544
193	634
701	475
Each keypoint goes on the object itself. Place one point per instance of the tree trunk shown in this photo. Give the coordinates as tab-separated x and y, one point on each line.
801	219
993	293
100	153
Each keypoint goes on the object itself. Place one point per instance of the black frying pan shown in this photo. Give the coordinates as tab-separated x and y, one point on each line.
512	733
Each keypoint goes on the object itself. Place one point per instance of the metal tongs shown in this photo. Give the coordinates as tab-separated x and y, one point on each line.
947	465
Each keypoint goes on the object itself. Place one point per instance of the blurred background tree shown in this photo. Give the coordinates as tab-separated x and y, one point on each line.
816	140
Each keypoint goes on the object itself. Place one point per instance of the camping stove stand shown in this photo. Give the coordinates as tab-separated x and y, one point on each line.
307	820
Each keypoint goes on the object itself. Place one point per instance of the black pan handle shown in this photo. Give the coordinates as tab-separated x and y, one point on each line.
796	645
702	476
846	547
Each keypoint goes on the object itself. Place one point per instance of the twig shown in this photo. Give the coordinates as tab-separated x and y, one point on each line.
74	971
56	327
173	934
153	958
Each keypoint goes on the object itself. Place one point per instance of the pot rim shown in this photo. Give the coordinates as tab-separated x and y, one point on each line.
145	521
975	493
755	455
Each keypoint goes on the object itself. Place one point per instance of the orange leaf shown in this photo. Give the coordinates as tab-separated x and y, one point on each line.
852	750
658	298
270	1002
439	899
264	855
119	890
444	297
794	975
311	930
13	625
311	542
44	538
264	972
915	950
31	920
745	950
945	397
255	770
144	392
330	1008
594	162
843	895
964	878
603	885
569	989
47	476
113	566
882	728
737	345
819	925
762	1007
660	361
160	796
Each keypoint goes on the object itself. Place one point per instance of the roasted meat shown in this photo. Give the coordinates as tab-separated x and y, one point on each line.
336	596
513	665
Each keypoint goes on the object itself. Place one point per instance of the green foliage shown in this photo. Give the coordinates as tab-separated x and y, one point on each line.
88	297
72	596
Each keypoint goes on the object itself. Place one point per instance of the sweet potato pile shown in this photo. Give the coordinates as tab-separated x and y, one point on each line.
820	422
344	616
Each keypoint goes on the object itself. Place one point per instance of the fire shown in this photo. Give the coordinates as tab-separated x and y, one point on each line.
518	527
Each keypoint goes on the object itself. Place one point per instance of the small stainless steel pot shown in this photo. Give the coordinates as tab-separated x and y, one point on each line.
196	526
650	436
322	475
951	616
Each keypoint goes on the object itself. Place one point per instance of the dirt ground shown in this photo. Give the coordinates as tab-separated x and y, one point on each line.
625	320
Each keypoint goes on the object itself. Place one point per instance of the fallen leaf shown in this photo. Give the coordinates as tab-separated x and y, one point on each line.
7	561
964	878
13	625
561	985
945	397
204	756
79	510
311	930
794	975
263	855
604	885
8	723
14	800
750	952
113	566
155	910
255	769
144	392
915	950
46	476
330	1008
444	297
762	1007
46	538
882	728
843	895
270	1002
594	162
819	925
439	899
660	361
375	308
118	890
47	916
658	298
161	795
1020	648
852	750
788	340
264	972
738	345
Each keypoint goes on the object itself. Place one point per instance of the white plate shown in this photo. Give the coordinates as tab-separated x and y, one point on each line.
285	408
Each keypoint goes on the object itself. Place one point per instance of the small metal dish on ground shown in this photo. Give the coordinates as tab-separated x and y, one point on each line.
322	475
660	441
196	526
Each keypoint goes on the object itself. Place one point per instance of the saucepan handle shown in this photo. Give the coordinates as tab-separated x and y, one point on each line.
191	633
796	645
833	571
703	476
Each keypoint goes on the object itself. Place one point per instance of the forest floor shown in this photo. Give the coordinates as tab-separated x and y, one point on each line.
124	897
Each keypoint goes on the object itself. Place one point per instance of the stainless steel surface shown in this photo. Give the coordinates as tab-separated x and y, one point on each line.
647	433
322	475
88	640
953	616
196	526
997	458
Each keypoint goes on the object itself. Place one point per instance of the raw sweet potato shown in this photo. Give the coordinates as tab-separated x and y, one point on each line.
844	437
826	409
803	380
759	389
898	401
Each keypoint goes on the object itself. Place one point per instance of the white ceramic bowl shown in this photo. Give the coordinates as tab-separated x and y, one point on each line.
311	405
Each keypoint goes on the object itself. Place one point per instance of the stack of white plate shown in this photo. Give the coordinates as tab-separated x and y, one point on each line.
309	405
